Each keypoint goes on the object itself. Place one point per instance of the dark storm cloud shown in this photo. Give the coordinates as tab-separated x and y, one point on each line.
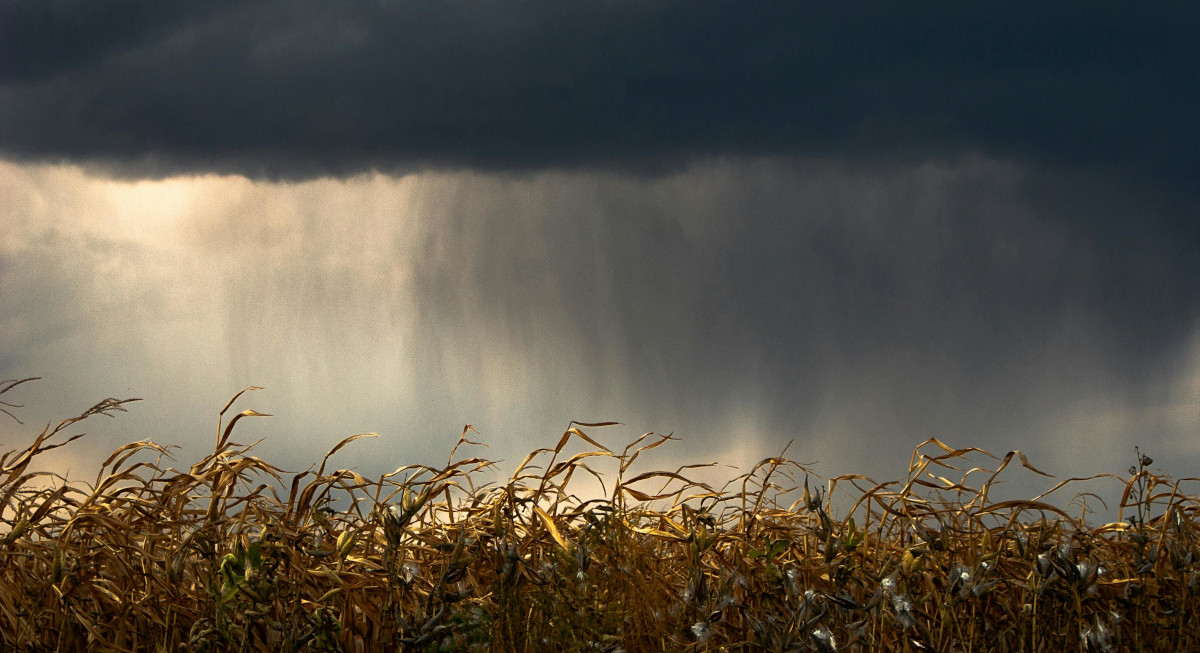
859	226
860	311
329	88
39	40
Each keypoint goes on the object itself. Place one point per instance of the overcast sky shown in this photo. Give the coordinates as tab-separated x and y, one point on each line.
852	226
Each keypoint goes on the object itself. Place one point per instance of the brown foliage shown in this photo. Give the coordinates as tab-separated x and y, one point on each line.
218	558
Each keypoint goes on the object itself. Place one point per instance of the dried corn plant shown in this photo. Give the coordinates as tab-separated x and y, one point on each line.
234	554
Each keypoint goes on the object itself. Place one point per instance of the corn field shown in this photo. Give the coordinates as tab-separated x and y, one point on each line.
234	554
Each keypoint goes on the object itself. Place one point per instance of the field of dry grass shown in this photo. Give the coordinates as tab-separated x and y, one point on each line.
233	554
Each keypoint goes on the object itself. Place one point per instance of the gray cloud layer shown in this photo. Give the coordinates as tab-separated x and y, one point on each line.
332	88
740	305
856	225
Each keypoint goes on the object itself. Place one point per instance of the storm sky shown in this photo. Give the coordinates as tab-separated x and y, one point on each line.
854	227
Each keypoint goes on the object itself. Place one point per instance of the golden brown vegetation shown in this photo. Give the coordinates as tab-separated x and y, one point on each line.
234	554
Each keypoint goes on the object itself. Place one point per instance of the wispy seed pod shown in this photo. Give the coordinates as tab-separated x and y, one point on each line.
810	596
981	588
960	580
409	571
1086	574
1100	637
902	608
823	640
393	525
1085	637
888	585
1063	552
812	500
1133	589
793	582
727	600
701	631
687	593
